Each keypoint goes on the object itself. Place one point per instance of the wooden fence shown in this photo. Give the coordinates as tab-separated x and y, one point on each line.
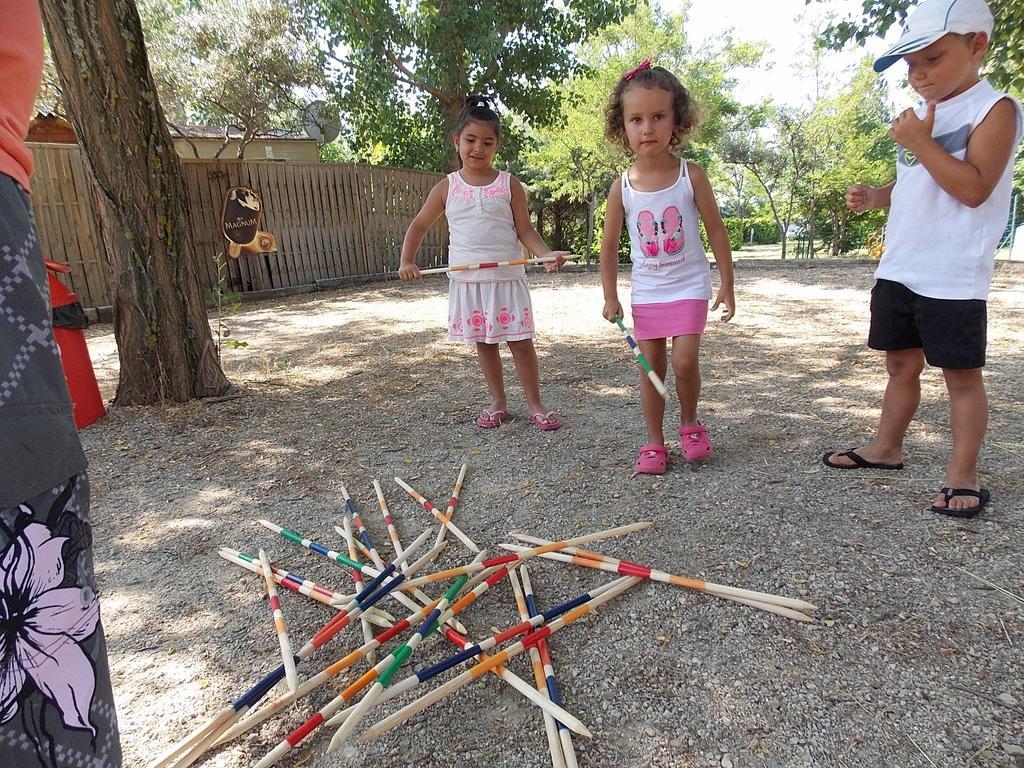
332	222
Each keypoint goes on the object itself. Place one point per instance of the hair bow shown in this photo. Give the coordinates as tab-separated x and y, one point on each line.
645	64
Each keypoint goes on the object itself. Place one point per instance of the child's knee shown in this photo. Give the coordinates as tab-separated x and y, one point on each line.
963	381
685	367
908	365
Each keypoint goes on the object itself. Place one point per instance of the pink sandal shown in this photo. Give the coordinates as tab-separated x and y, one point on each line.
491	419
653	460
695	442
647	229
546	422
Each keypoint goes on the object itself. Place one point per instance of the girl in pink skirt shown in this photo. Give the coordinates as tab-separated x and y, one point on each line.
660	198
487	221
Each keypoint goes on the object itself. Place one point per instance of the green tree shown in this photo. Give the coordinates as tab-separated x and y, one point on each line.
846	136
1005	63
402	71
243	64
771	144
164	343
573	163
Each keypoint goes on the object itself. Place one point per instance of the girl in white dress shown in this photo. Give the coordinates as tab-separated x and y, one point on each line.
487	221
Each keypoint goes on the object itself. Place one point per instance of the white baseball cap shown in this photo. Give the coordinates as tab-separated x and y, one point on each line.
933	19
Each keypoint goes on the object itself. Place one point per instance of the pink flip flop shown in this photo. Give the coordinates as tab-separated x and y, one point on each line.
546	422
653	460
647	228
696	443
672	221
491	419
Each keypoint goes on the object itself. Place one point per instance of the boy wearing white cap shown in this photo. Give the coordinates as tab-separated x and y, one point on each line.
949	206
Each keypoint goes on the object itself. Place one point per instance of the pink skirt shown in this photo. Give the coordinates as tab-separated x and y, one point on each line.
686	317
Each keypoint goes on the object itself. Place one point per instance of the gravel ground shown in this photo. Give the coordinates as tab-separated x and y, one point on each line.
913	663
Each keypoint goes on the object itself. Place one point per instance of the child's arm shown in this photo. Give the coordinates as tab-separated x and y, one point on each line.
431	211
613	218
972	179
718	237
861	197
529	236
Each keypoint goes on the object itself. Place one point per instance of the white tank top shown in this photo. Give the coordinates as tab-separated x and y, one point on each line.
481	229
935	245
669	262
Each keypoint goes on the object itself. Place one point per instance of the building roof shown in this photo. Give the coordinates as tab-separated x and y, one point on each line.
217	132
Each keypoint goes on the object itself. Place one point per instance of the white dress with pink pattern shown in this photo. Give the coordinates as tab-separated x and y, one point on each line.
486	305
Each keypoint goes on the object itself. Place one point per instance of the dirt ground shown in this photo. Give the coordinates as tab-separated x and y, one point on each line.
912	663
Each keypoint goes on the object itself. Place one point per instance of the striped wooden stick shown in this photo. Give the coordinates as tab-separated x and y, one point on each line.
612	565
512	559
373	592
336	668
198	736
550	727
358	578
388	521
502	657
478	650
493	264
293	581
444	519
383	672
547	707
452	502
380	675
564	737
290	675
642	360
376	559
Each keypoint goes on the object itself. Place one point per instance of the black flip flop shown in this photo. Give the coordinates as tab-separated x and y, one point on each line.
983	497
859	462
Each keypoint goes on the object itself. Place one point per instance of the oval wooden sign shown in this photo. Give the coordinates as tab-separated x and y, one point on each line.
240	217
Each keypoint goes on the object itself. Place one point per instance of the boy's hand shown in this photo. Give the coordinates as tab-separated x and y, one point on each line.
612	309
910	131
861	198
560	258
727	297
409	272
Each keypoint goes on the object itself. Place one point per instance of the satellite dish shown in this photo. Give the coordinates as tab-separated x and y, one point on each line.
321	122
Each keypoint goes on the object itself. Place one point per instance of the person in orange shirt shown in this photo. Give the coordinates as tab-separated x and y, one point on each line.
56	704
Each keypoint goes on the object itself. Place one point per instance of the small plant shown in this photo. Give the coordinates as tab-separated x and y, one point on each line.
226	303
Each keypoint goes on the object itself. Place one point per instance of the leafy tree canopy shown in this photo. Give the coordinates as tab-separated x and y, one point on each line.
572	154
1005	62
246	63
402	71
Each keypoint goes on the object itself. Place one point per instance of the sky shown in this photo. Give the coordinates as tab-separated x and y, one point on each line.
788	28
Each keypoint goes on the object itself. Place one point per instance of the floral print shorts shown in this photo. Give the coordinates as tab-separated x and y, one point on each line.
56	706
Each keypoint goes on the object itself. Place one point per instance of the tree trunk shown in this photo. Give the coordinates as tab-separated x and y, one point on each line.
811	230
454	161
163	336
558	237
591	211
782	225
838	231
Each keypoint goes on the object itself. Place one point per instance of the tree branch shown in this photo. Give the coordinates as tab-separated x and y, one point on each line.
410	76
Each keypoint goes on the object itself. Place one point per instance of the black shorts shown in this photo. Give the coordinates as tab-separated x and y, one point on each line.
952	332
